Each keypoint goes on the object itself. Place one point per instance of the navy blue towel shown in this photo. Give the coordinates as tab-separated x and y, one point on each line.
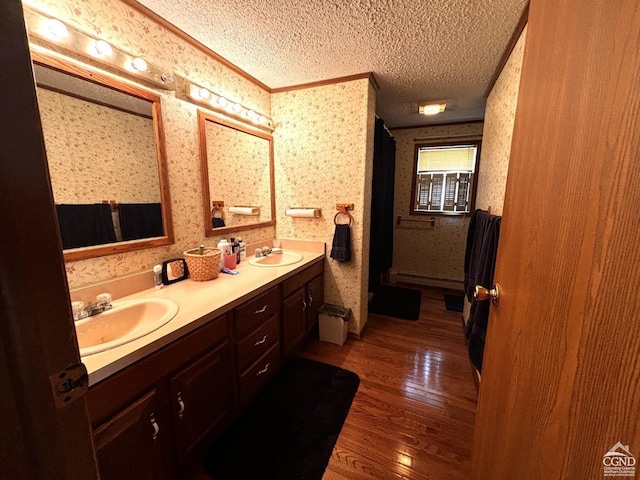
140	220
341	248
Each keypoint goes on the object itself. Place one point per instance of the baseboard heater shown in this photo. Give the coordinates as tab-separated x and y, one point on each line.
417	276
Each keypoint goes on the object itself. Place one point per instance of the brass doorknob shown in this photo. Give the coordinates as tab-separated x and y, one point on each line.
481	293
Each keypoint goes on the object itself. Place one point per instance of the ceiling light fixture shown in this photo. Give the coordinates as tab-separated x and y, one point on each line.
432	108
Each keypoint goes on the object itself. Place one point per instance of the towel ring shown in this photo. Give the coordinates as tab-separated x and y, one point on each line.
216	209
335	219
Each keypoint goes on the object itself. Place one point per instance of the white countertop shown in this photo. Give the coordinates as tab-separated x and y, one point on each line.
198	303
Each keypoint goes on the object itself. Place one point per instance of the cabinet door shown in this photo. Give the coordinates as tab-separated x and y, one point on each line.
315	299
137	442
293	319
202	397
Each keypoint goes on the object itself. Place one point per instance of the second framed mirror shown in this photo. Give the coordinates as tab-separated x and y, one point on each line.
237	175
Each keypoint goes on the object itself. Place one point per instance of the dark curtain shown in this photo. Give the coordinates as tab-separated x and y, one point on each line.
381	233
84	225
140	220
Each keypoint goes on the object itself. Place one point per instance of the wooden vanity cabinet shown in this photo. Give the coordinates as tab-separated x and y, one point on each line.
151	418
303	295
141	429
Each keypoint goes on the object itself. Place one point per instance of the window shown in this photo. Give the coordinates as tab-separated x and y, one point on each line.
444	180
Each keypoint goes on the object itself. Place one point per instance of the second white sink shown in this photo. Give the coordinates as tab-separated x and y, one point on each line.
276	260
125	322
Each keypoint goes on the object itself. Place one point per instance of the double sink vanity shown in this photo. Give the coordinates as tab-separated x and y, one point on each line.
168	369
154	401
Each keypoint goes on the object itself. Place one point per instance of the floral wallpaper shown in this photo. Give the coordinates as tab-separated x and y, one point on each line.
323	156
239	172
114	153
421	251
498	130
129	30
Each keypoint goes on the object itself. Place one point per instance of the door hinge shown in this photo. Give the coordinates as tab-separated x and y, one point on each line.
69	384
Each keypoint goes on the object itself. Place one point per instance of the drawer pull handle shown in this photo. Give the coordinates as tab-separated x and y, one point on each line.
260	310
310	297
260	342
154	424
264	370
304	303
180	405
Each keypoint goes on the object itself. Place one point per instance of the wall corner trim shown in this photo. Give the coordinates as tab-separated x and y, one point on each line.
329	81
507	51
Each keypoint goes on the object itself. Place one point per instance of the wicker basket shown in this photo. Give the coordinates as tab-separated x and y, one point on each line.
203	267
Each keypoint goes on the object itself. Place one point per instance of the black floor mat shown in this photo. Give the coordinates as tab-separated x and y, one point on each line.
396	302
290	429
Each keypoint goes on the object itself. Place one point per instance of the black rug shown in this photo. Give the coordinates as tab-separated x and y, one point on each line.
396	302
290	429
454	302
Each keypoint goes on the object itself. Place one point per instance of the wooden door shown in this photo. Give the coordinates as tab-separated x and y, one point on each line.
136	442
561	372
202	397
39	438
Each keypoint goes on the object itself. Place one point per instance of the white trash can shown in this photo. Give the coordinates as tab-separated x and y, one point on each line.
334	323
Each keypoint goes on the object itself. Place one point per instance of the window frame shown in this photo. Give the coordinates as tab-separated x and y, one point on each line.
414	177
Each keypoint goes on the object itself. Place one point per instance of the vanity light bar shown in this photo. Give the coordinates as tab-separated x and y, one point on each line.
52	33
219	103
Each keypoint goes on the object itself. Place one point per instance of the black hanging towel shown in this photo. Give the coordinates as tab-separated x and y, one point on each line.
341	248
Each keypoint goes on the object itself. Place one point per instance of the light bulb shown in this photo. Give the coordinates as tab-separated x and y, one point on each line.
222	101
237	107
262	119
56	29
103	48
251	114
139	64
204	94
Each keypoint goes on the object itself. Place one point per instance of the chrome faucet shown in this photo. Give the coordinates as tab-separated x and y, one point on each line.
262	252
102	304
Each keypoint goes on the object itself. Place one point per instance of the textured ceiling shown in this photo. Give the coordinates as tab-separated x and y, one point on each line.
418	50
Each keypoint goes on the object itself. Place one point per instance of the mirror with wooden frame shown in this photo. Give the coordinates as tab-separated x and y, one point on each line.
107	160
237	175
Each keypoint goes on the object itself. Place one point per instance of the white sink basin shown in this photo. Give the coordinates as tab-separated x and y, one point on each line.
125	322
276	260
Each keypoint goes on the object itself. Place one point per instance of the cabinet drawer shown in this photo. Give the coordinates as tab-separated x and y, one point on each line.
259	373
256	343
256	311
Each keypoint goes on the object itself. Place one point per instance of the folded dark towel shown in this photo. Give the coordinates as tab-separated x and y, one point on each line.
217	222
341	248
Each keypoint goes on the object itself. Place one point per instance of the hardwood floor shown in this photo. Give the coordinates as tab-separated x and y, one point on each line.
412	417
413	414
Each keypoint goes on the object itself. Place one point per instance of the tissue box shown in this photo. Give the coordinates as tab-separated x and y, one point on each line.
333	322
